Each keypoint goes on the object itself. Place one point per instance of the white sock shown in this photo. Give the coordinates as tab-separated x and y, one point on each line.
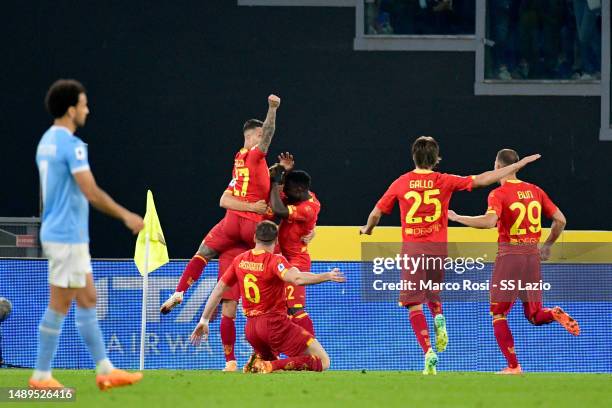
41	375
104	367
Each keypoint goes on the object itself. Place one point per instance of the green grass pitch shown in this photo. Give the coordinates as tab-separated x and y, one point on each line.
176	389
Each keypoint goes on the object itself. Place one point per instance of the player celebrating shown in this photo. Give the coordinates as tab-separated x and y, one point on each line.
423	195
245	201
261	275
67	185
299	217
517	207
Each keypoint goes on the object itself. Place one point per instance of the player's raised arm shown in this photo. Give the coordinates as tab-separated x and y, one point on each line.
373	220
488	220
276	203
100	200
493	176
269	125
295	277
557	227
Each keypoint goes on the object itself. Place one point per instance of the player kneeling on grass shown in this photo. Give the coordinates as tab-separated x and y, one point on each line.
261	276
516	207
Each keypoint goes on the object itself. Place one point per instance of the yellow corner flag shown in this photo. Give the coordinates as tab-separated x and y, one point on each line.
158	252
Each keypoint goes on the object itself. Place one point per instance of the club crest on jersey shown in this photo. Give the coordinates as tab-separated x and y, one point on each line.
281	267
232	183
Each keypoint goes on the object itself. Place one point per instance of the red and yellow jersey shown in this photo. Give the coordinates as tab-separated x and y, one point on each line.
519	207
301	221
250	179
423	197
259	276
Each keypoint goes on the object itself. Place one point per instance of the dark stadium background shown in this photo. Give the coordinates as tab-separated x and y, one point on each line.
170	86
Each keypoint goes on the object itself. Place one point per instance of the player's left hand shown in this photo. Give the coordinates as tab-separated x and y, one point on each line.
277	173
545	252
307	239
199	333
286	160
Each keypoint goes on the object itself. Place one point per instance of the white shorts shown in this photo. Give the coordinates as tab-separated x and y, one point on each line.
69	264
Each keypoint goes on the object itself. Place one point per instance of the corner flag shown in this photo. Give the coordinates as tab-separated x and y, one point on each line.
152	232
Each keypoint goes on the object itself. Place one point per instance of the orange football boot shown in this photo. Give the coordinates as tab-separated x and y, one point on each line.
511	371
50	383
117	378
565	320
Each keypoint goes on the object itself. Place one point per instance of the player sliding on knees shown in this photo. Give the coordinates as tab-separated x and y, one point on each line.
245	200
298	210
68	186
423	195
261	276
516	207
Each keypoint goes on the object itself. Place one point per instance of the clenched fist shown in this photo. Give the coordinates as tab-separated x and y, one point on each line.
273	101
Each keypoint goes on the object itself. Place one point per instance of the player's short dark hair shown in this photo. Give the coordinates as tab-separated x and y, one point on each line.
251	124
266	232
506	157
63	94
425	152
299	178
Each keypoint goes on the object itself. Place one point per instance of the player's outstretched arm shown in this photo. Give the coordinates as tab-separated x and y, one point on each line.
101	201
373	220
201	330
488	220
557	227
295	277
269	125
229	202
493	176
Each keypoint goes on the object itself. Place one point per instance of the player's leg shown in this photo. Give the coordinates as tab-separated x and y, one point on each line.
296	299
421	331
504	337
61	295
87	324
434	303
214	241
49	331
300	317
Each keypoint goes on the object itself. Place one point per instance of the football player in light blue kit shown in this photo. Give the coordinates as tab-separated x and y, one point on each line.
68	186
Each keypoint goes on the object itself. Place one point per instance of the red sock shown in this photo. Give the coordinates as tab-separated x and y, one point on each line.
542	316
303	320
228	337
435	308
301	363
192	273
421	331
505	340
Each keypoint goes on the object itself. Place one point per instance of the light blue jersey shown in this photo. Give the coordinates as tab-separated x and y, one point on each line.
59	155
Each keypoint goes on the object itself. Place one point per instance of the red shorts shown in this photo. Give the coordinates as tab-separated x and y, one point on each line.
271	335
434	272
512	274
296	295
225	260
232	231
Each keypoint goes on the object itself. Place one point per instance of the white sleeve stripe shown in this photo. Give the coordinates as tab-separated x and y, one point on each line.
79	169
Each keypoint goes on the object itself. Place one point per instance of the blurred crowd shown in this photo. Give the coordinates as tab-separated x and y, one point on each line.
419	17
528	39
544	39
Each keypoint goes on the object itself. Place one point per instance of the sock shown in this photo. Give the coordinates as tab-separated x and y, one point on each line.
228	337
192	273
303	320
505	341
87	323
49	331
419	326
542	316
301	363
435	308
